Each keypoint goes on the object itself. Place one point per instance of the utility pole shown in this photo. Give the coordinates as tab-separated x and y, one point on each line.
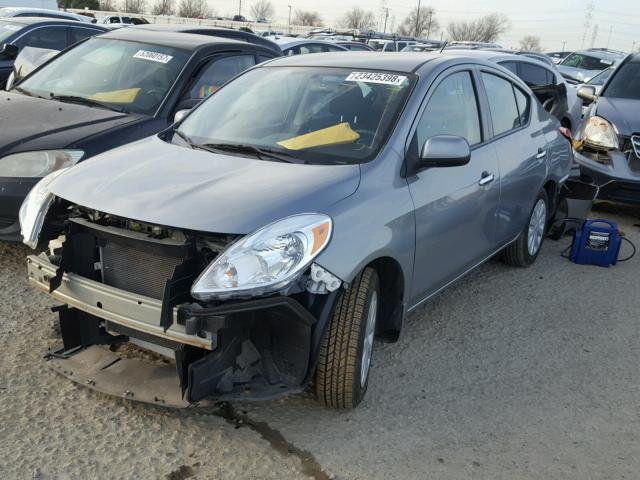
563	44
240	8
429	24
609	37
418	19
386	16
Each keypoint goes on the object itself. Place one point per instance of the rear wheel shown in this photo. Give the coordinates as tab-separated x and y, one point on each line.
342	376
524	251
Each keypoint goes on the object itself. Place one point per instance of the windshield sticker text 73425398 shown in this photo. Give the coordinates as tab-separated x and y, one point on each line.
376	77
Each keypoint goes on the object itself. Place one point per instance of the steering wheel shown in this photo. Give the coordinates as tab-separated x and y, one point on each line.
548	104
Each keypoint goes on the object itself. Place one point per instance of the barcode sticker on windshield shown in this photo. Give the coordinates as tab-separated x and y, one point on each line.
372	77
153	56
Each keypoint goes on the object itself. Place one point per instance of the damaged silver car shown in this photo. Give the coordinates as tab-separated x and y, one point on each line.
263	242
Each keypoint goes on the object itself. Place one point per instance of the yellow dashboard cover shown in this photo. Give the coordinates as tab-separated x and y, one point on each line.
336	135
117	96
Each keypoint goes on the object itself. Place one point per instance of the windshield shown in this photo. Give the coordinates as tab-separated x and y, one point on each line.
131	76
625	83
586	62
7	29
311	114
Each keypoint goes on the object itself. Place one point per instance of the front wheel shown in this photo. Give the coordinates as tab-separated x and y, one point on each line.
524	251
342	376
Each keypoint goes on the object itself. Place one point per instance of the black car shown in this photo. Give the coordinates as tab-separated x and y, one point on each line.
19	32
108	91
607	144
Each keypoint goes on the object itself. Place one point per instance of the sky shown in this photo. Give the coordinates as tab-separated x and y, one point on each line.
555	21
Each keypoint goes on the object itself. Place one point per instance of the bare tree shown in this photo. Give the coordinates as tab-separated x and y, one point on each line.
420	22
162	7
531	43
107	5
359	19
262	9
483	29
193	9
306	18
134	6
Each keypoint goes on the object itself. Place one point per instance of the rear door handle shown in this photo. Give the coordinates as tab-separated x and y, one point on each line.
541	154
486	178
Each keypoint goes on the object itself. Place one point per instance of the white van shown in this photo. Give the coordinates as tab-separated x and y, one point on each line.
48	4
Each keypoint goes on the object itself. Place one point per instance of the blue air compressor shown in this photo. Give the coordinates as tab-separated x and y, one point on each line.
597	242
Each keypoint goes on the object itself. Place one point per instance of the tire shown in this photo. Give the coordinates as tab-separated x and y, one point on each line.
518	253
342	377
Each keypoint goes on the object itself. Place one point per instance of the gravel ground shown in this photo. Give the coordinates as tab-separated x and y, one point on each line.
511	373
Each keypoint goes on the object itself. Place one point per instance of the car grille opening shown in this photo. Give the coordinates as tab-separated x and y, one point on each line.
136	270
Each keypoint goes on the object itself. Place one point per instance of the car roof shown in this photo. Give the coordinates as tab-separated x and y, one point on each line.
188	41
221	32
496	56
406	62
37	20
288	42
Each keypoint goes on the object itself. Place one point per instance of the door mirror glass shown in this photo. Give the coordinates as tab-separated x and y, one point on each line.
180	114
587	93
9	51
444	151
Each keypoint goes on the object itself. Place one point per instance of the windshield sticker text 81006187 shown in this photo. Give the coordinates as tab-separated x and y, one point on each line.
376	77
153	56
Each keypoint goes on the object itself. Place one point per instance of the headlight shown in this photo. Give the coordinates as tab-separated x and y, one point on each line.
38	163
599	134
267	260
34	209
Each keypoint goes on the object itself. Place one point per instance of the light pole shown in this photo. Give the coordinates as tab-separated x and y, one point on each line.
563	44
240	8
289	18
417	19
386	16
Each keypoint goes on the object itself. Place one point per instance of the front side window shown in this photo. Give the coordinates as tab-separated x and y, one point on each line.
625	82
218	72
311	114
53	38
502	103
452	110
131	76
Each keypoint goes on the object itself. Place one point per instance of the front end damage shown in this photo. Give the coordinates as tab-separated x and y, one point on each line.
123	282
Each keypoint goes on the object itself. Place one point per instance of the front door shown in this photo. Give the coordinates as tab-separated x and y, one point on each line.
455	207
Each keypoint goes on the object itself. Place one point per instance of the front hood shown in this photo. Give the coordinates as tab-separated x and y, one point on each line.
160	183
621	112
579	74
29	123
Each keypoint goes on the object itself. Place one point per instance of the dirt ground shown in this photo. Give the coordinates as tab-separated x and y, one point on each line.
509	374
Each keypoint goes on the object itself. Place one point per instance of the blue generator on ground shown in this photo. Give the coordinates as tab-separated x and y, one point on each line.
596	243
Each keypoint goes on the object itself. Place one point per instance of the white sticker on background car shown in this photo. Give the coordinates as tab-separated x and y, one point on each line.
374	77
153	56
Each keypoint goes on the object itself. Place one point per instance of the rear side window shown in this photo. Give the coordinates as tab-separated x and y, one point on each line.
502	103
511	66
524	105
54	38
452	110
217	73
535	76
78	34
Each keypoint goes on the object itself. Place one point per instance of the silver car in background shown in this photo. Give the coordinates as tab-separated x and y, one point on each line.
298	213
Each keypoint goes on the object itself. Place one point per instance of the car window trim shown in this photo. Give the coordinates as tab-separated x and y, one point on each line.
513	130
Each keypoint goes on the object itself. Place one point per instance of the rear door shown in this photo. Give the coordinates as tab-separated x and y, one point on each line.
521	148
455	207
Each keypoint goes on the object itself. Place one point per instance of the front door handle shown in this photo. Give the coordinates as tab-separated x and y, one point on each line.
541	154
486	178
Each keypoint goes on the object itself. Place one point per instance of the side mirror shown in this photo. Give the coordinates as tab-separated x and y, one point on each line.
9	50
587	93
180	114
444	151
